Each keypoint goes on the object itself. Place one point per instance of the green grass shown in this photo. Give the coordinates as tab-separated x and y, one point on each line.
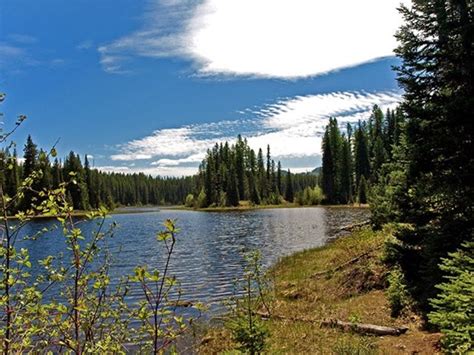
354	293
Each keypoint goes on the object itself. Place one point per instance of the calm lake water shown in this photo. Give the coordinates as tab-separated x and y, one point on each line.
210	246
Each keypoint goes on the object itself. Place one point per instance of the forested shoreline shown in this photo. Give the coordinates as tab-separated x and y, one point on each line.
87	188
225	167
353	159
231	173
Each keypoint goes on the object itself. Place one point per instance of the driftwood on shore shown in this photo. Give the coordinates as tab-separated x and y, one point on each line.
362	328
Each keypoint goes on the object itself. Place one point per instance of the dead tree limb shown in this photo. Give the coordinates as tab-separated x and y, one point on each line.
364	328
343	265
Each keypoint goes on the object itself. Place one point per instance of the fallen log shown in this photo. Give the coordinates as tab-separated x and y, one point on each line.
343	265
364	328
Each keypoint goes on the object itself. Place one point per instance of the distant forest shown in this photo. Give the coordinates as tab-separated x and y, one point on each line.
231	173
353	160
88	188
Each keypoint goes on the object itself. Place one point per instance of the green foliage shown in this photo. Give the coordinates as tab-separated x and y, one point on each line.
362	190
397	293
189	202
428	182
247	327
160	326
453	311
237	173
310	196
289	192
89	315
355	346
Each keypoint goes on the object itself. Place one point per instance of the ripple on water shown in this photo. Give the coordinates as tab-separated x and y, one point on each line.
210	247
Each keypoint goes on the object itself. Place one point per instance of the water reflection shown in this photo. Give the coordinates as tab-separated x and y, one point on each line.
210	246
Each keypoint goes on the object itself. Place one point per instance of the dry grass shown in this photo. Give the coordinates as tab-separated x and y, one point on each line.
354	293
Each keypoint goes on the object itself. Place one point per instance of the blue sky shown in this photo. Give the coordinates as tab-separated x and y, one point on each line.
149	85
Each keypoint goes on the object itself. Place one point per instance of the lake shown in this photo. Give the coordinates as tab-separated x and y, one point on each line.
210	246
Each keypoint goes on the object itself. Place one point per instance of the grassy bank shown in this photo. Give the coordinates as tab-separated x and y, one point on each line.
354	293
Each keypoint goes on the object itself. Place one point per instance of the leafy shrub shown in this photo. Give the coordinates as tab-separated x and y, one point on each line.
453	307
310	196
247	327
189	202
201	199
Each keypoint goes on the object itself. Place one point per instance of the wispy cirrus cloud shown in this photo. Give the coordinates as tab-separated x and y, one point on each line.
264	38
293	127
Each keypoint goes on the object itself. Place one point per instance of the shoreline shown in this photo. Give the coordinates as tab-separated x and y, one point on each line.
244	208
325	283
148	209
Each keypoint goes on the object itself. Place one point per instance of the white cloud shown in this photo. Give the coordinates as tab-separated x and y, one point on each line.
84	45
293	127
267	38
130	156
195	158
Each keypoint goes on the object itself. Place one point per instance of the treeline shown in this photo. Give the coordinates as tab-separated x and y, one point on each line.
86	187
231	173
352	160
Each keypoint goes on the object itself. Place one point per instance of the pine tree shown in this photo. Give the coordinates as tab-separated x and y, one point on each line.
289	193
75	179
57	174
437	75
232	191
12	175
361	154
46	180
261	176
362	190
278	178
30	165
453	312
240	166
328	179
346	172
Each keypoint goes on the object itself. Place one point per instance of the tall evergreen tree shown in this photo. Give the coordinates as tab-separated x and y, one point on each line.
30	165
361	152
12	175
278	178
289	193
232	190
437	75
346	172
240	166
328	179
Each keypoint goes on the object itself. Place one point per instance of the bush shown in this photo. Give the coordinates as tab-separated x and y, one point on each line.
310	196
453	308
248	329
397	293
189	202
201	200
